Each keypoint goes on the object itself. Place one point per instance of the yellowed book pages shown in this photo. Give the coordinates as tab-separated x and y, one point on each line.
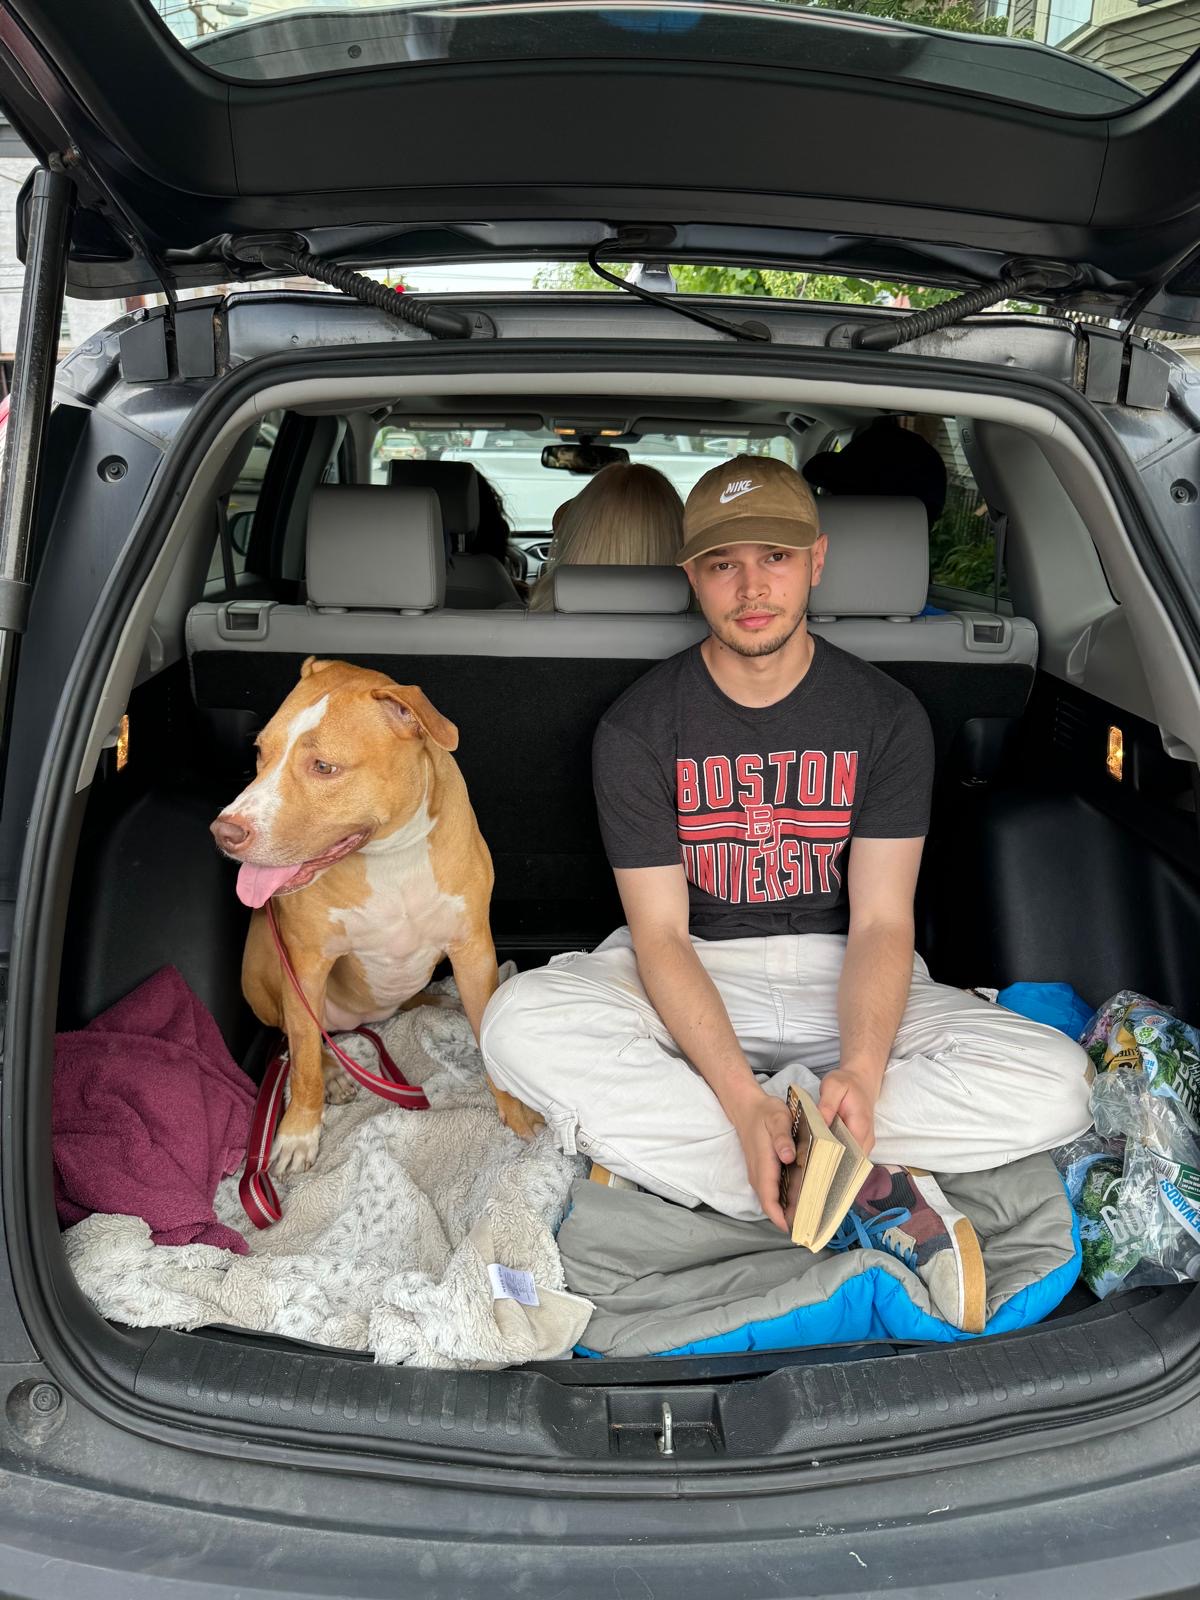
830	1169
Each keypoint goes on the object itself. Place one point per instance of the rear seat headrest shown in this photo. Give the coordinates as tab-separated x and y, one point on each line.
877	564
456	484
621	590
371	550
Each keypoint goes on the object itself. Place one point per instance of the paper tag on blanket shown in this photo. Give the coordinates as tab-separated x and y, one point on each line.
509	1283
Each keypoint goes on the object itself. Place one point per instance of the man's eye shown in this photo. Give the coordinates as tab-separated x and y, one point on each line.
324	769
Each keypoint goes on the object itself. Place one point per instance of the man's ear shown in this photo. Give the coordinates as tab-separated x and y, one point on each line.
412	714
817	558
689	568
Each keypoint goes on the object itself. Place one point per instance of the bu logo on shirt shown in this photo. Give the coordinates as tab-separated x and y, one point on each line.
755	829
761	827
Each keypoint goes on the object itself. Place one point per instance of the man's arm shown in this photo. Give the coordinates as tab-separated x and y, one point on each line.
656	908
875	980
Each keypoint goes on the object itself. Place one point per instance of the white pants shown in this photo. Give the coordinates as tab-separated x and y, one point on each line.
969	1085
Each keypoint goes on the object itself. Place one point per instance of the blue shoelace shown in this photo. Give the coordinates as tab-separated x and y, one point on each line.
869	1233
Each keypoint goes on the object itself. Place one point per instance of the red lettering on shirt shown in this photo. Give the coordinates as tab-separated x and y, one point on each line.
812	778
822	854
845	777
687	785
749	777
782	761
718	782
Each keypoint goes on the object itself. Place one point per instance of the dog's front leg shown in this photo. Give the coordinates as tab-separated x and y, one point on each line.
475	974
299	1135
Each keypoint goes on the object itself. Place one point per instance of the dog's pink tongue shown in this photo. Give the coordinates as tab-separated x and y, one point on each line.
256	885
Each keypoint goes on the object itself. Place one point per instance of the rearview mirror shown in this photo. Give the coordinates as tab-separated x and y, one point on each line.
583	458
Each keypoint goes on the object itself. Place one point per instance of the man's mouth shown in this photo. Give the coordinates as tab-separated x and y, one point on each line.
256	884
755	619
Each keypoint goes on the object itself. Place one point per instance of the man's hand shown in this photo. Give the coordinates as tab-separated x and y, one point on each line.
851	1096
764	1129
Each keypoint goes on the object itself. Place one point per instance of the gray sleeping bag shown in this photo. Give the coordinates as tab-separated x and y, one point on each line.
669	1281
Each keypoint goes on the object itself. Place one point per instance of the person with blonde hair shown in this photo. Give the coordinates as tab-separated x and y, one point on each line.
627	515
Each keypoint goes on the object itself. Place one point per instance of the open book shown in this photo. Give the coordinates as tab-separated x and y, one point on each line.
828	1172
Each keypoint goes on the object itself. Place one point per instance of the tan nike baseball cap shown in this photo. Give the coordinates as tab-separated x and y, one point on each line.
749	500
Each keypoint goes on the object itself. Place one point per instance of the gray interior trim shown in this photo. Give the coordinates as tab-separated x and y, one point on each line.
258	627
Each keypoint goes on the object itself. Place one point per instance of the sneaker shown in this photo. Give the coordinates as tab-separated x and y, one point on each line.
903	1211
599	1174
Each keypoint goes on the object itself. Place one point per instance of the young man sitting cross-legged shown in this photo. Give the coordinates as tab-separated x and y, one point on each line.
764	798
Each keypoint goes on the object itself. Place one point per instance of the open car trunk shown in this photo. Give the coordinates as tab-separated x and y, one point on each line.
1037	867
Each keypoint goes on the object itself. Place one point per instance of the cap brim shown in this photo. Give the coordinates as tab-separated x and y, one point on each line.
784	532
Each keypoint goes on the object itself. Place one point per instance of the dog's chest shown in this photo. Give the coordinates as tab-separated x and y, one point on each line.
403	925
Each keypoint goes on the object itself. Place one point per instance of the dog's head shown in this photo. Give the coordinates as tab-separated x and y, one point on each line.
344	760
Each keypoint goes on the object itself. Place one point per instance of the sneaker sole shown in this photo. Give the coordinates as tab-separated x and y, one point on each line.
974	1279
969	1253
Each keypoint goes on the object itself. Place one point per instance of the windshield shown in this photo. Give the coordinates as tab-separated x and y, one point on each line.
530	493
1082	57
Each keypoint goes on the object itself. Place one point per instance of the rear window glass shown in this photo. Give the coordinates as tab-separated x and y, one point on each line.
1080	57
530	493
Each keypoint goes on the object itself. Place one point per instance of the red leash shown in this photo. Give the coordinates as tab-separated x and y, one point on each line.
257	1192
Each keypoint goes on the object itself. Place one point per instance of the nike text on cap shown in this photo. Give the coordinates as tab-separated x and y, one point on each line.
749	500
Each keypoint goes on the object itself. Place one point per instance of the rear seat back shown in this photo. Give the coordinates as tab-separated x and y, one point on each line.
527	689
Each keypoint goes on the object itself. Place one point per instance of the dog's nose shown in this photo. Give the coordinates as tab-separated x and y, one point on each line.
229	833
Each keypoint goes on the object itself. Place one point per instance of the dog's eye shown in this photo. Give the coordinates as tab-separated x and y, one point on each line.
324	769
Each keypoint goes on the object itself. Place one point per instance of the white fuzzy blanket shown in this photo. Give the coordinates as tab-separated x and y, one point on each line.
385	1244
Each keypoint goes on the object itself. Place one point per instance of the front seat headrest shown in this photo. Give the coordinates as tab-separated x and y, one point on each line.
456	484
372	549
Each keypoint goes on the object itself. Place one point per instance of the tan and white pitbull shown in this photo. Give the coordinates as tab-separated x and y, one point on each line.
358	822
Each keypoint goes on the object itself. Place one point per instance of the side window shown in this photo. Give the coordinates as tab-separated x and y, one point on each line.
962	541
242	500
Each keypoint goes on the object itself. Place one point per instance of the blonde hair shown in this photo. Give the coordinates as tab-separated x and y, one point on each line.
627	515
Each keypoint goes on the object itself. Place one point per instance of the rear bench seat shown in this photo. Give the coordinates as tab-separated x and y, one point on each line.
527	689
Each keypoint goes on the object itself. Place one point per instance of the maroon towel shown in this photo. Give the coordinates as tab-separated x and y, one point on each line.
150	1112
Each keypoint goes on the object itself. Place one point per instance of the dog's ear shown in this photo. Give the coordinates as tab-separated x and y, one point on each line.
310	665
412	714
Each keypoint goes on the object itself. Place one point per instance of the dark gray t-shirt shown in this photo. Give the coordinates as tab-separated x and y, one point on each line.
761	803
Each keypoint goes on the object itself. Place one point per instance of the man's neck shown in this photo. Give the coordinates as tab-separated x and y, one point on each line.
759	680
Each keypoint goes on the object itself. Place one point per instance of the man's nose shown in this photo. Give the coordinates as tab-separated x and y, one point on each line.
229	833
754	584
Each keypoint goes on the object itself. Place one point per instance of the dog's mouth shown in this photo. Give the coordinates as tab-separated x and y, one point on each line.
256	885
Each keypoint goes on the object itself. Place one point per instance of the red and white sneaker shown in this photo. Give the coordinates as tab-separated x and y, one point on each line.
903	1211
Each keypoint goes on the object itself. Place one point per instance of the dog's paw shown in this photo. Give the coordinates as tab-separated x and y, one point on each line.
515	1114
339	1085
293	1153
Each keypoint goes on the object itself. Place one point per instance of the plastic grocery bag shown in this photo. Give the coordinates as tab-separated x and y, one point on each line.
1135	1182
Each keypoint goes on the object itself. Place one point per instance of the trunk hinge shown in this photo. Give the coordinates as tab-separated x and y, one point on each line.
1121	369
189	331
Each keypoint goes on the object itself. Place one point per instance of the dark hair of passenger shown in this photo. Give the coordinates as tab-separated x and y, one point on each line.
494	530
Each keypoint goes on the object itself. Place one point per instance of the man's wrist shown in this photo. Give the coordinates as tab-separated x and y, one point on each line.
867	1073
742	1092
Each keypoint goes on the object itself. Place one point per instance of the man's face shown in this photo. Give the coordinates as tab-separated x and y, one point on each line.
755	596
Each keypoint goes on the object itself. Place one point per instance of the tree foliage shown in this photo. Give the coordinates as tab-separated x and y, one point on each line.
755	281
